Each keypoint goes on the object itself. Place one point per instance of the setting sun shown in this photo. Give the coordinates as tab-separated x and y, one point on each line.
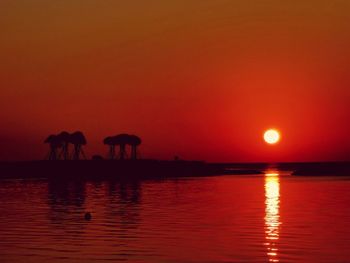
272	136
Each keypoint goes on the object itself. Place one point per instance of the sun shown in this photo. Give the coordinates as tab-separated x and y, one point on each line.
272	136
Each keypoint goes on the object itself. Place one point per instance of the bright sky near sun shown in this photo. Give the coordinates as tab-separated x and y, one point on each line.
198	79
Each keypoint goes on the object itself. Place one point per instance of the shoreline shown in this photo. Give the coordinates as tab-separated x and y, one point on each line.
158	169
114	169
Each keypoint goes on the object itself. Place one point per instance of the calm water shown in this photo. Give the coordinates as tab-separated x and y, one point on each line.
272	218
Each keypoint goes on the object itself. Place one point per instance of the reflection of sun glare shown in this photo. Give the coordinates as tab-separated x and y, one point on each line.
272	217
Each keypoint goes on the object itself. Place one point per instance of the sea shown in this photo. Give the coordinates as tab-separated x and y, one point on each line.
269	217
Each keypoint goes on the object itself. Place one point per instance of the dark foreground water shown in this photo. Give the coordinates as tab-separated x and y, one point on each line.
272	218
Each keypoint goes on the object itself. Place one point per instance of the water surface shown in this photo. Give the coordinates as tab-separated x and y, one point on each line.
271	218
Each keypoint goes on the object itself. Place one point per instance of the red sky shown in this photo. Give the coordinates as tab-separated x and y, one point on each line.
199	79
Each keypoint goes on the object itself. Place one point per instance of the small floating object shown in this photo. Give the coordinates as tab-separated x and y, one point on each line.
87	216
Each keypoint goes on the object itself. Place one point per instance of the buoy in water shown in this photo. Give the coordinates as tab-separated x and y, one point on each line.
87	216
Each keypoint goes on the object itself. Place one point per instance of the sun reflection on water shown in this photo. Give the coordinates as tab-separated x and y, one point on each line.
272	216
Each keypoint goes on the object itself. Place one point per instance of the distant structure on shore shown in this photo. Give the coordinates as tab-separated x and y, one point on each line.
55	145
78	140
60	146
122	140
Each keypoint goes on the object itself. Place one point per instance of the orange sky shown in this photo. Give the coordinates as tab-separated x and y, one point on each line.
199	79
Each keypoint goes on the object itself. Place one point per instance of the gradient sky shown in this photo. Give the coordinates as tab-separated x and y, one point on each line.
199	79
